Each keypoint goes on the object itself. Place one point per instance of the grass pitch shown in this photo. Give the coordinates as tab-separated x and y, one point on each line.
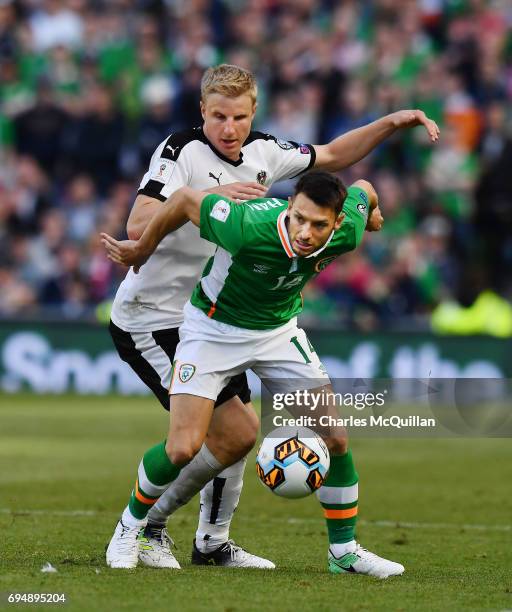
441	507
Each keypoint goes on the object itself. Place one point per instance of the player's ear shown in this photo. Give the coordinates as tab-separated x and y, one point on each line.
339	220
202	106
290	203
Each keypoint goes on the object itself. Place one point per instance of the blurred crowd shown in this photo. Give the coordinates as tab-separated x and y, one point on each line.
88	88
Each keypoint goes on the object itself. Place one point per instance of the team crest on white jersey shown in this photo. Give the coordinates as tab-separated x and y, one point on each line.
186	371
261	177
221	211
162	170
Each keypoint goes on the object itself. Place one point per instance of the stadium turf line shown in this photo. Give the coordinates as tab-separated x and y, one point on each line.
66	453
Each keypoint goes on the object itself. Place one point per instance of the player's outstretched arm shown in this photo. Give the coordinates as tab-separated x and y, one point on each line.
356	144
145	208
184	205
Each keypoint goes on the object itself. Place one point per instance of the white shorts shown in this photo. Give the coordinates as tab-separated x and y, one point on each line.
211	352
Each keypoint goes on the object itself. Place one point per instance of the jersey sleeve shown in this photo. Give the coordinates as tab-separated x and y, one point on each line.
165	174
221	222
289	159
356	208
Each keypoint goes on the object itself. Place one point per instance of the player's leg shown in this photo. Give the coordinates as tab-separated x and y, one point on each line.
228	433
220	497
149	354
291	357
203	366
235	428
160	465
339	498
209	462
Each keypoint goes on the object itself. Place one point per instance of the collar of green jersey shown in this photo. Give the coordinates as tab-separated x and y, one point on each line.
282	230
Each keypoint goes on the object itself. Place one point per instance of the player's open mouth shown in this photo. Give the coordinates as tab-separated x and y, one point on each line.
302	246
228	143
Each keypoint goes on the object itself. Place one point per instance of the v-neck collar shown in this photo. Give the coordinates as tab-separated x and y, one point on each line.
282	230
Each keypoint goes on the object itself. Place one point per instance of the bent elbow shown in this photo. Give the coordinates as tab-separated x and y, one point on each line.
133	231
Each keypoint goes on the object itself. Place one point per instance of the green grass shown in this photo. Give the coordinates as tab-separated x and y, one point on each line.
63	454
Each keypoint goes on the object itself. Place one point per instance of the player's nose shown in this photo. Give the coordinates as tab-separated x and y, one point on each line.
306	232
229	127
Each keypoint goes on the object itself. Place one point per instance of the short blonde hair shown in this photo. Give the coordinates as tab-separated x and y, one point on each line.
228	80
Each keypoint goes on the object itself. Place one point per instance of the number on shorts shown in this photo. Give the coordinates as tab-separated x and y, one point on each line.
297	344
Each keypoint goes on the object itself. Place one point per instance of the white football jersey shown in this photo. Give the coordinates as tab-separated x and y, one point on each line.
154	298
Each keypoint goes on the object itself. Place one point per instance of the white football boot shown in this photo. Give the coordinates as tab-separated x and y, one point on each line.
123	549
155	548
229	555
361	561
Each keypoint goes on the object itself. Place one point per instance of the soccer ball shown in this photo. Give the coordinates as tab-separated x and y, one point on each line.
292	462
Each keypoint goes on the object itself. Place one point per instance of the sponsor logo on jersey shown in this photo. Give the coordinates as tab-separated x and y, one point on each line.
173	149
186	371
215	178
261	268
284	144
363	196
261	177
323	263
162	171
304	149
221	211
267	205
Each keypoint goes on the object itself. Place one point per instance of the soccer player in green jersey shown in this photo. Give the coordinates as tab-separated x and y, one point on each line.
247	300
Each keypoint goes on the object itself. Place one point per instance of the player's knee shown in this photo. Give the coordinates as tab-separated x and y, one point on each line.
337	443
182	452
249	434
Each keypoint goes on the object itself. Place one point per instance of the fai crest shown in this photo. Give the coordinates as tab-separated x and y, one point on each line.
186	371
323	263
261	177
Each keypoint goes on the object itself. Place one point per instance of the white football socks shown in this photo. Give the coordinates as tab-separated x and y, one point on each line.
219	499
192	478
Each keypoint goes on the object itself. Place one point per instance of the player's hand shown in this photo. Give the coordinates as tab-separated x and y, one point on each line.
375	220
240	191
412	118
124	252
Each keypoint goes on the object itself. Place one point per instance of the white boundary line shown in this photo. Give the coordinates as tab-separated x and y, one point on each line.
294	521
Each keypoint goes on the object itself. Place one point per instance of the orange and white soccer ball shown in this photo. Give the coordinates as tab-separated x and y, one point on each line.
293	462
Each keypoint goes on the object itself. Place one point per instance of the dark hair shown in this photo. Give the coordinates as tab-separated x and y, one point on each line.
325	189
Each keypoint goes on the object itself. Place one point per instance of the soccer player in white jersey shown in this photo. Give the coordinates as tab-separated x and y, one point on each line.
223	156
240	317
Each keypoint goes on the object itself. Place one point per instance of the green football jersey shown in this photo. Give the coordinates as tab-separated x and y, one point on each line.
254	279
